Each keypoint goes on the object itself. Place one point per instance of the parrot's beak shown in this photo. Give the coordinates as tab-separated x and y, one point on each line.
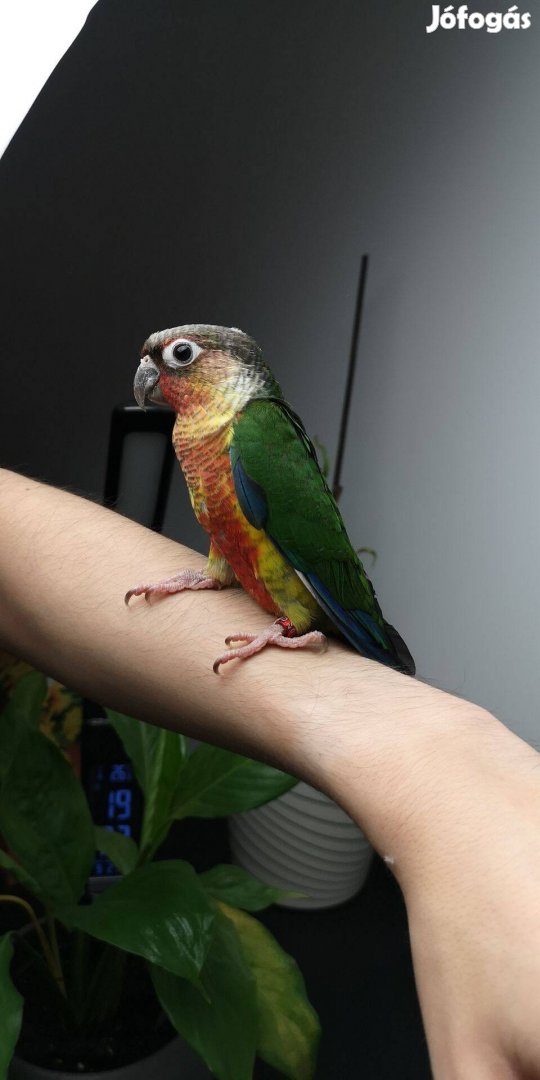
145	386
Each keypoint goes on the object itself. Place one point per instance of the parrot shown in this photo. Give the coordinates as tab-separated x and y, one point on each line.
256	487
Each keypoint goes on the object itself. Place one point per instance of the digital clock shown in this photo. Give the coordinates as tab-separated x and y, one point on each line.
112	791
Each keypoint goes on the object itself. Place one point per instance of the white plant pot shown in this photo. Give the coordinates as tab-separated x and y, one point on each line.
175	1061
302	842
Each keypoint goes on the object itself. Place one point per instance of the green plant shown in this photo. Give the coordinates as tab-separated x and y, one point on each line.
221	978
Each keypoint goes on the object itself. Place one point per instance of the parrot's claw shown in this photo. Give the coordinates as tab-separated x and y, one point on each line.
281	633
187	579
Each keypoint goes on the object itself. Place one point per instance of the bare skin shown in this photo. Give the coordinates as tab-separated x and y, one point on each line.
441	787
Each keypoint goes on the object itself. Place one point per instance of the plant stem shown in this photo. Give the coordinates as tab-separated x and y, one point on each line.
105	989
150	844
46	949
58	973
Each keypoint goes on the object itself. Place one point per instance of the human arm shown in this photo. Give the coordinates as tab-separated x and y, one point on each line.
441	788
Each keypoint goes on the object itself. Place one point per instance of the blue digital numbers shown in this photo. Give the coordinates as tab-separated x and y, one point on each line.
114	806
119	805
118	774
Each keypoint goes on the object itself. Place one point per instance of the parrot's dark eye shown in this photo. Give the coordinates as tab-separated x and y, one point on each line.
179	353
183	353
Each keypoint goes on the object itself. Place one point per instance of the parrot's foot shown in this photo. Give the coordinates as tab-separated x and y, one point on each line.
188	579
281	633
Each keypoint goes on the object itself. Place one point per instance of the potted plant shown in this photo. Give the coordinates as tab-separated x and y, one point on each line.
161	952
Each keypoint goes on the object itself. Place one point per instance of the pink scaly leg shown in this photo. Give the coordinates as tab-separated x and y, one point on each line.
281	633
188	579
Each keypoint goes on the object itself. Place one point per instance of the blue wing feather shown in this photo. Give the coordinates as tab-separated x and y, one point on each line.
357	626
250	495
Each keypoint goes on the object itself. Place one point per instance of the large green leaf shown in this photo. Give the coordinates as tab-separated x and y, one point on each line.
121	850
26	879
28	696
11	1008
21	712
288	1027
236	887
160	912
158	757
45	820
216	783
221	1025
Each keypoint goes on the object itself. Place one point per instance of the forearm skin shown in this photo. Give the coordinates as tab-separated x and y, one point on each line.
394	751
447	794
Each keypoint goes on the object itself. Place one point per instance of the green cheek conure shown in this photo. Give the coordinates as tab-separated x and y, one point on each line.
256	487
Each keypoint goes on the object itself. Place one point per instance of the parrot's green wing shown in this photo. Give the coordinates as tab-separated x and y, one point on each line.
281	489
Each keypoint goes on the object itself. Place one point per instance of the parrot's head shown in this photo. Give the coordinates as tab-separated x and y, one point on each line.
199	369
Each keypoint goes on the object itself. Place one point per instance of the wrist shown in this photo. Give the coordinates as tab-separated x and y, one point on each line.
414	766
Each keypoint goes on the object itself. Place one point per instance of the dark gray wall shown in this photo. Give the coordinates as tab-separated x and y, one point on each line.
186	161
229	162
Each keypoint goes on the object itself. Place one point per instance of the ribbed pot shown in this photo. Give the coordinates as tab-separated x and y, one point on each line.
175	1061
303	842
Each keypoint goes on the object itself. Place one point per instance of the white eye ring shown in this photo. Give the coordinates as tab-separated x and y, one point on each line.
172	353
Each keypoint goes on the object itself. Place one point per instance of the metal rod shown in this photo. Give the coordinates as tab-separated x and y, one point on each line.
353	356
